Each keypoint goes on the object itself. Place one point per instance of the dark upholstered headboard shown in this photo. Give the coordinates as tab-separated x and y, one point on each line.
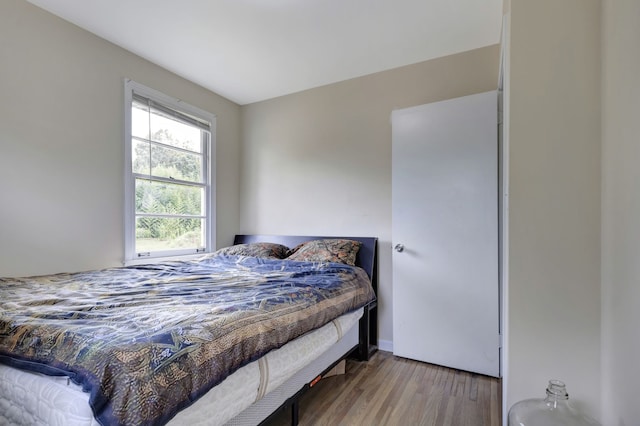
366	258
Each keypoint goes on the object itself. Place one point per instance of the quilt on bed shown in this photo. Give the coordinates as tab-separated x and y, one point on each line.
147	341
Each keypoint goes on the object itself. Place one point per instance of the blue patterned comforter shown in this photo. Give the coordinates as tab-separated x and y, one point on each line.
147	341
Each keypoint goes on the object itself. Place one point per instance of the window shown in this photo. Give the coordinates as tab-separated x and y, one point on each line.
169	148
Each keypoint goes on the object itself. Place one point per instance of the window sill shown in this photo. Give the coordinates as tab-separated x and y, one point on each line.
152	260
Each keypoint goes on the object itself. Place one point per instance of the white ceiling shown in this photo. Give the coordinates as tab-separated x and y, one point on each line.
251	50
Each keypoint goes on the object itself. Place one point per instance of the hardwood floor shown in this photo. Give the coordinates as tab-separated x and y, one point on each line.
395	391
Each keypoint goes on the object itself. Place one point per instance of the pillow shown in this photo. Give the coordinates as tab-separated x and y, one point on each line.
268	250
330	250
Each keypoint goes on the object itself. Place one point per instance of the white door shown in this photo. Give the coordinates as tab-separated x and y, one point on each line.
445	233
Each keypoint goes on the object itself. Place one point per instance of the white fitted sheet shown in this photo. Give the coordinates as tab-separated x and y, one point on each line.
33	399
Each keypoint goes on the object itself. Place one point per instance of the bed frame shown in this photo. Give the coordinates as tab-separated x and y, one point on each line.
368	327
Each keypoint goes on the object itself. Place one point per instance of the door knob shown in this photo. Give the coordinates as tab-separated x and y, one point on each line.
399	248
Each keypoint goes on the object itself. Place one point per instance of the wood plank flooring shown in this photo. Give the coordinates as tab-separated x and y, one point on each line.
390	390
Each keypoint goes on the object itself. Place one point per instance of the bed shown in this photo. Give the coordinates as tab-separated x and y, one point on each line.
161	352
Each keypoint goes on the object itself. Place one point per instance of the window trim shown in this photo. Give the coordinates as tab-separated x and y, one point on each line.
130	255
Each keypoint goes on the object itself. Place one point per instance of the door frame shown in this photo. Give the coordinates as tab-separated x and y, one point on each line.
504	82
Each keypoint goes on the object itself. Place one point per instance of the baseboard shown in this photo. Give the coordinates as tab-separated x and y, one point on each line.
385	345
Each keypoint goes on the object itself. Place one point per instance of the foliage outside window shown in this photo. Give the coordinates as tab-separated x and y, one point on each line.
168	158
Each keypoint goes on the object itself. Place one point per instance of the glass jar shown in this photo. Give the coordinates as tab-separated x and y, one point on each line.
554	410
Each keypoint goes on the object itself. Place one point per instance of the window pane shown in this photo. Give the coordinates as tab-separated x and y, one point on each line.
140	157
175	133
140	120
166	198
160	233
172	163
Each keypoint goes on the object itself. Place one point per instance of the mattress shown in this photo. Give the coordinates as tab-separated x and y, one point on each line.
147	341
244	398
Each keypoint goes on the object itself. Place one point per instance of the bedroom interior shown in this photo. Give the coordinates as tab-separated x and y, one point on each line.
318	162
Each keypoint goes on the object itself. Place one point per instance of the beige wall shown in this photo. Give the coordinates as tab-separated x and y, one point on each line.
621	213
554	217
61	129
319	161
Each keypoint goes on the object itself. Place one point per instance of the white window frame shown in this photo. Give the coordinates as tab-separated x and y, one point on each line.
130	254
